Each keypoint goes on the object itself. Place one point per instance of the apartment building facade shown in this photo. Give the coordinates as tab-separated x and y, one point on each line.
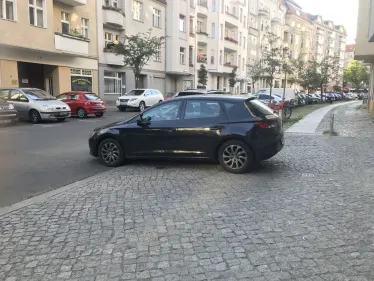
264	16
48	44
364	50
349	54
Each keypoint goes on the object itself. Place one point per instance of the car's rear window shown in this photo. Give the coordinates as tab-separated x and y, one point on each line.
258	108
182	94
91	96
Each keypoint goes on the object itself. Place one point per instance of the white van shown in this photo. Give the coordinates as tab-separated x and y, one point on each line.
290	93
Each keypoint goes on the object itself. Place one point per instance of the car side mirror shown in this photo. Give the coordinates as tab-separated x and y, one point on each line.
142	122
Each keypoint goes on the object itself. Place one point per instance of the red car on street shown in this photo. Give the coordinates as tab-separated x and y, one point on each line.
83	103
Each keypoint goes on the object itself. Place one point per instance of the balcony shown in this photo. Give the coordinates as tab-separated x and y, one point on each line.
73	43
113	17
253	29
263	12
228	67
111	58
277	21
232	19
202	8
231	44
202	58
73	3
202	37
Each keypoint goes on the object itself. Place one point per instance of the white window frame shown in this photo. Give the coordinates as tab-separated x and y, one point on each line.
156	18
118	81
36	8
85	27
199	26
108	38
65	18
4	16
137	15
182	23
213	31
157	57
182	55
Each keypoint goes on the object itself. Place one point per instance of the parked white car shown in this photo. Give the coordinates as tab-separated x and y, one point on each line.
139	98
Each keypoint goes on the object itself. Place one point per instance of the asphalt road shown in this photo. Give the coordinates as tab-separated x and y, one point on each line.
38	158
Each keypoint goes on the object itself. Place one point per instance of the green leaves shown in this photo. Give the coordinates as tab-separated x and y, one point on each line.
232	79
202	75
356	73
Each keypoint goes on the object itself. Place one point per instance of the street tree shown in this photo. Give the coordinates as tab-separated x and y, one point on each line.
232	78
272	53
254	72
138	49
356	74
202	75
328	71
305	73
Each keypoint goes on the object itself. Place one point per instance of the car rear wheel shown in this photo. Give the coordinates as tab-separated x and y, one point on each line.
141	106
81	113
235	157
35	116
110	153
99	114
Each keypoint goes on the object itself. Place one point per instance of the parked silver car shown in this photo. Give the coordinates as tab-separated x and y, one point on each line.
36	105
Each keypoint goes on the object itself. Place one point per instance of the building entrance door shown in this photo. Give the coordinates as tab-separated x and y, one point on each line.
49	85
30	75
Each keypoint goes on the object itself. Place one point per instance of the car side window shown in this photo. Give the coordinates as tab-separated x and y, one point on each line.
165	112
202	109
74	97
62	97
16	95
4	94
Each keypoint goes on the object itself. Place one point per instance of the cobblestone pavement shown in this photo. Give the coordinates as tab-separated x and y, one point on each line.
307	214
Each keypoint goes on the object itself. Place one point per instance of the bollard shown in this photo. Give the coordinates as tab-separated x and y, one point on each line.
331	123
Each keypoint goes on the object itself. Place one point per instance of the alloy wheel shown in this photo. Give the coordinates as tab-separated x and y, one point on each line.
235	157
81	113
110	153
141	106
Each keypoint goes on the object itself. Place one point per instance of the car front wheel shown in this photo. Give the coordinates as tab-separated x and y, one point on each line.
235	157
141	106
35	116
111	153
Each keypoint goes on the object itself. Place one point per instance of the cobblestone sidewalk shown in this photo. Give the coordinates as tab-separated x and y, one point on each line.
307	214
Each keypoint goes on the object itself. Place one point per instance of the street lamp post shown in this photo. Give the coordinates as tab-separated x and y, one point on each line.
285	68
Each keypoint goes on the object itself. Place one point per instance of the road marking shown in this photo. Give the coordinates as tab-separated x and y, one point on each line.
49	125
88	121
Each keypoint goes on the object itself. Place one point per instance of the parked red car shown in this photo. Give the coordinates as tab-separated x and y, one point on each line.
83	103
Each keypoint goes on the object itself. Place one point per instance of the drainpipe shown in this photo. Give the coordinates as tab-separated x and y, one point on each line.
166	33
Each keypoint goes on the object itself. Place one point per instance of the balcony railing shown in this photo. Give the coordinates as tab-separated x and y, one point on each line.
76	33
229	64
202	58
231	39
202	3
202	32
263	11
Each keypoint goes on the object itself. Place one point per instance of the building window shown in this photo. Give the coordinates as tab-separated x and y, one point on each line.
108	38
240	38
239	61
84	27
182	23
7	9
243	64
244	42
65	23
156	18
291	40
112	82
241	15
182	55
213	31
212	56
245	22
222	6
158	54
111	3
213	5
221	31
200	26
190	56
137	10
36	12
220	57
81	80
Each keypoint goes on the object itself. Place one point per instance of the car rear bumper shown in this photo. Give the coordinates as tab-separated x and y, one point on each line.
55	115
271	148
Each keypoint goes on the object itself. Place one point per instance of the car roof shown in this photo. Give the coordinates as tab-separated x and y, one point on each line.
215	97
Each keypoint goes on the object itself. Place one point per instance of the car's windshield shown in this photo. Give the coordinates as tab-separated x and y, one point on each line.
37	94
135	93
91	96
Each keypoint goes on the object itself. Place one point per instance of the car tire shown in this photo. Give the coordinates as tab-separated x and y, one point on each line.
235	157
111	153
81	113
141	106
99	114
35	116
60	119
122	109
159	101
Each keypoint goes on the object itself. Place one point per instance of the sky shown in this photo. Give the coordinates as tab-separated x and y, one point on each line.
341	14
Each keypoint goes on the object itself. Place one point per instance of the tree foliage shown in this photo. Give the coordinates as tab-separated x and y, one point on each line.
356	74
254	72
305	73
202	75
138	49
232	77
272	54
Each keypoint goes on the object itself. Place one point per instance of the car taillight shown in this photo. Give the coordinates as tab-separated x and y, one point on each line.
264	125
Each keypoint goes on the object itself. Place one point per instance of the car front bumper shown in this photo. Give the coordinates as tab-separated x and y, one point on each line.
6	117
128	104
54	115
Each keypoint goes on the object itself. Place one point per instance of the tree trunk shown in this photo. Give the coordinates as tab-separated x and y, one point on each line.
137	80
253	87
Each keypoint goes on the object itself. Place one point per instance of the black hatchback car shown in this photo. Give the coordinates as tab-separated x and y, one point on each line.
235	131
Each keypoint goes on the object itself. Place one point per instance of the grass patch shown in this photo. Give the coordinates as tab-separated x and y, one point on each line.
327	132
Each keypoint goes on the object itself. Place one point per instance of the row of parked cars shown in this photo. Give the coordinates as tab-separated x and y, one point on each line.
37	105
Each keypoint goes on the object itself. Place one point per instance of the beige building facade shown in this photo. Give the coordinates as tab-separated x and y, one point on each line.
50	45
364	50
